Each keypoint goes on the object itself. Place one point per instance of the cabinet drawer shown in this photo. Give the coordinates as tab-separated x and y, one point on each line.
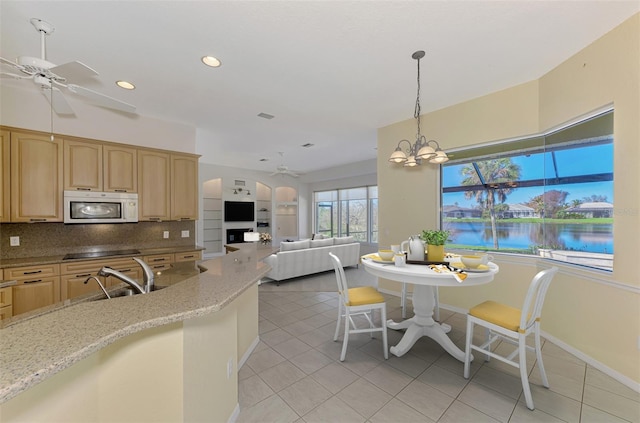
5	297
188	256
32	272
91	267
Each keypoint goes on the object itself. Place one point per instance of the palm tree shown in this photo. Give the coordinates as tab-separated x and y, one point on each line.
493	171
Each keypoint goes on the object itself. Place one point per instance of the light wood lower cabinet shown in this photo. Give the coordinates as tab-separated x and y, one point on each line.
75	273
159	262
38	286
6	303
188	256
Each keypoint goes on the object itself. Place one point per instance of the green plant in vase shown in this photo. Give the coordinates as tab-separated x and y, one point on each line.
435	240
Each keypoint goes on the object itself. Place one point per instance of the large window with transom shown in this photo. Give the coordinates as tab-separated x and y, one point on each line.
549	195
347	212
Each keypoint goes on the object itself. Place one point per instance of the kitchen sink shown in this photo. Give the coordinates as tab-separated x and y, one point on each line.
127	292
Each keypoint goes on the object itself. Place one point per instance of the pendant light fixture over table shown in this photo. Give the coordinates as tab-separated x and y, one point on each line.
421	149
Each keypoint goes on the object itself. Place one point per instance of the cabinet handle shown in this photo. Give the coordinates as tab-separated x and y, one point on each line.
158	259
32	273
83	275
188	256
83	189
37	220
38	280
124	270
120	190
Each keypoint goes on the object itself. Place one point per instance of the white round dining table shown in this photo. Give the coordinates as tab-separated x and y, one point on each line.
424	280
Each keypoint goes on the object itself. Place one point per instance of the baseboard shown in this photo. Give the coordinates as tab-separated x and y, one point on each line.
235	414
247	353
626	381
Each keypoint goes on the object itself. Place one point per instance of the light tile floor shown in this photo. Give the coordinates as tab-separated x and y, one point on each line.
294	375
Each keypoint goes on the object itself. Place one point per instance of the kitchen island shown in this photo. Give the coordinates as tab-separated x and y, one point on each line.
170	355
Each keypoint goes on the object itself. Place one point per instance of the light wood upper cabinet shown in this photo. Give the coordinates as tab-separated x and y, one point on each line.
82	166
93	166
120	169
36	178
5	197
154	185
184	187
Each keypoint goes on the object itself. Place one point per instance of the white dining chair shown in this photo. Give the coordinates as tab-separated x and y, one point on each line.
512	325
362	300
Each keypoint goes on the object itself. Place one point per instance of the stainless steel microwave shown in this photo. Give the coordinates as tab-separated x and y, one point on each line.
100	207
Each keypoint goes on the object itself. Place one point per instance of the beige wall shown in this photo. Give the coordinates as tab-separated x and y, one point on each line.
594	313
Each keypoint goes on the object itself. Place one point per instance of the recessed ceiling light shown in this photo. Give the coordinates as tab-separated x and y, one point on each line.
126	85
307	145
265	115
211	61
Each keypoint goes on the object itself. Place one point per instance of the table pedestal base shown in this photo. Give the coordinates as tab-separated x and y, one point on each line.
422	324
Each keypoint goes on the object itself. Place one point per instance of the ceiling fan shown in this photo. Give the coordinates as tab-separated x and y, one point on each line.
281	169
51	78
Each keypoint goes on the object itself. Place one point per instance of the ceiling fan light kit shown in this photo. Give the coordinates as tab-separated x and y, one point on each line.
51	77
421	149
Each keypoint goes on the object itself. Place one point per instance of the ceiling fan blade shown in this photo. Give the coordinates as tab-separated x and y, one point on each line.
101	99
9	62
74	70
59	103
14	76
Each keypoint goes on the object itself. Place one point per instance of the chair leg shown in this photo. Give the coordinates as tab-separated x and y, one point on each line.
385	346
345	341
487	336
403	300
436	308
543	374
335	336
467	348
522	360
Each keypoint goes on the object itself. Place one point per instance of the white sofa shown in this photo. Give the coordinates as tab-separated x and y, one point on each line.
300	258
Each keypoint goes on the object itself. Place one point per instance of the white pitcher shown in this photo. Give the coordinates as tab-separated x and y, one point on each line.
414	247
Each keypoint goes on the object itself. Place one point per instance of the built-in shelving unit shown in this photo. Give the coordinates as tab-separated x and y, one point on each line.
286	212
263	208
212	219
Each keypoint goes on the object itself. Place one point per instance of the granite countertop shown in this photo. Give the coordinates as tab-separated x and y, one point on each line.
35	261
5	284
36	348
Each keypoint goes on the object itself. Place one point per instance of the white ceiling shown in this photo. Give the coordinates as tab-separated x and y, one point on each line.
331	72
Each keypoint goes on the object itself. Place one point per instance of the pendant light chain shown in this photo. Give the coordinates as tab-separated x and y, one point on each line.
417	110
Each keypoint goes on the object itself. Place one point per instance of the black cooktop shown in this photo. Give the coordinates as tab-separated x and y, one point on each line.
94	254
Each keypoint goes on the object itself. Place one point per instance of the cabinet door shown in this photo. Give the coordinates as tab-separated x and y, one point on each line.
33	294
82	166
5	144
120	169
159	262
36	178
72	286
184	187
153	184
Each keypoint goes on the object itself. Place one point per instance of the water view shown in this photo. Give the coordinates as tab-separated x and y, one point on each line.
526	236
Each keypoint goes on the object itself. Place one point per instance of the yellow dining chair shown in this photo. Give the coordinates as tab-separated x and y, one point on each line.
512	325
358	301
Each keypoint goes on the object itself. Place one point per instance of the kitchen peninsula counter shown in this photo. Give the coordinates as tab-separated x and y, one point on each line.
35	349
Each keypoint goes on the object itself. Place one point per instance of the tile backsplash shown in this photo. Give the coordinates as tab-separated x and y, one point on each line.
52	239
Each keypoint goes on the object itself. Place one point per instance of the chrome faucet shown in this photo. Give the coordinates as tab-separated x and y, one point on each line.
147	277
99	283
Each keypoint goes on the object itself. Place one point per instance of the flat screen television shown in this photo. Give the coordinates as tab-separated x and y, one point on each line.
239	211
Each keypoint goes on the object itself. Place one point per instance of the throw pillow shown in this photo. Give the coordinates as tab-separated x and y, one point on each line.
294	245
344	240
321	242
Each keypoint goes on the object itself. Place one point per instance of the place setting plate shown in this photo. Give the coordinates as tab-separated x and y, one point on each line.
376	259
483	268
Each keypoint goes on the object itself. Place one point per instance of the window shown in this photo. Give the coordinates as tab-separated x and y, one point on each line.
345	212
549	195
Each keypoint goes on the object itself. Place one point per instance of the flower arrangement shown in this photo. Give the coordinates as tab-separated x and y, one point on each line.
265	237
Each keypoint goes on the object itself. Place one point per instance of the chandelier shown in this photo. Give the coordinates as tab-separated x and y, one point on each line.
421	149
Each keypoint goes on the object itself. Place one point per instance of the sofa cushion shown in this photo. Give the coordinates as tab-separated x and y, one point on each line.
343	240
321	242
294	245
